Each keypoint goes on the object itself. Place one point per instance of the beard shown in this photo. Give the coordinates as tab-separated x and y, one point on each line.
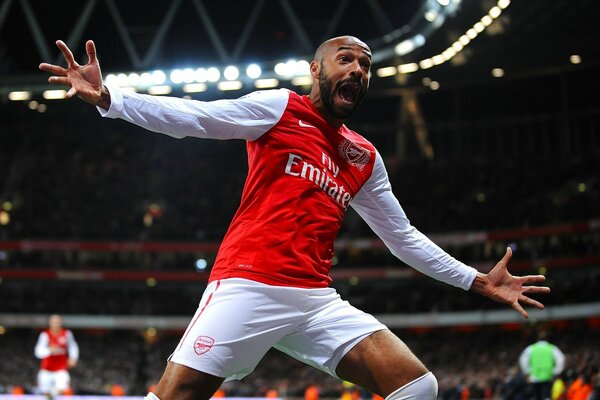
328	91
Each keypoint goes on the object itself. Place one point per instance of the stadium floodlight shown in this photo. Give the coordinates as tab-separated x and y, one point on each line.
282	69
386	71
158	77
176	76
426	63
212	74
201	264
122	79
486	20
438	59
200	75
497	72
448	53
408	68
408	45
495	12
431	15
302	68
503	4
253	71
146	79
54	94
194	87
231	73
188	75
575	59
19	95
302	80
160	90
229	85
266	83
134	79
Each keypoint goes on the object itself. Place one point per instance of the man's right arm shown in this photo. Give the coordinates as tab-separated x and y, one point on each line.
42	350
245	118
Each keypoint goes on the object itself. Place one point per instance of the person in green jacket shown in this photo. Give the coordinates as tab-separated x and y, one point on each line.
541	362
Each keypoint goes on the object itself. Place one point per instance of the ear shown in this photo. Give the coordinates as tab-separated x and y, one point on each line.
315	69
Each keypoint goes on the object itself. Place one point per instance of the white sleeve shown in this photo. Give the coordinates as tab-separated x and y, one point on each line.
72	346
524	360
380	209
559	360
42	349
245	118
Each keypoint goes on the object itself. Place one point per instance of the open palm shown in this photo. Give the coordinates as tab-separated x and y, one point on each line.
501	286
84	81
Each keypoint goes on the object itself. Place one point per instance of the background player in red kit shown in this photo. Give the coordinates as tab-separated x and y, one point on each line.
58	350
269	286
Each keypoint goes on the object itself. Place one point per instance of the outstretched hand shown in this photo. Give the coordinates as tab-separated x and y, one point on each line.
501	286
84	81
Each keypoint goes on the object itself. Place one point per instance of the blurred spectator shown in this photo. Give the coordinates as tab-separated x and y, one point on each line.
542	362
58	351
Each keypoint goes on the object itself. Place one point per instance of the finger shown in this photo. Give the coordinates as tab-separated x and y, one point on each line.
531	302
90	49
536	289
53	69
520	309
72	92
533	278
60	80
66	52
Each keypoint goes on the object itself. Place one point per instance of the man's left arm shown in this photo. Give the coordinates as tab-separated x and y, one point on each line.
380	209
73	349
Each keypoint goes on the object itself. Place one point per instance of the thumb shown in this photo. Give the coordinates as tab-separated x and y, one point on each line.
507	256
90	49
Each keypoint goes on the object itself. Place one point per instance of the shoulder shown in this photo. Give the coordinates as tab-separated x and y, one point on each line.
358	139
266	96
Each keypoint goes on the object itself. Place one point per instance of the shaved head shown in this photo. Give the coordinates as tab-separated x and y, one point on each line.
340	71
335	43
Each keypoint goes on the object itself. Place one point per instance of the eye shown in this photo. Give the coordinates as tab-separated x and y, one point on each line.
344	58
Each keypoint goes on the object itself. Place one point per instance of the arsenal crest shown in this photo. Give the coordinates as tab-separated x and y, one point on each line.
203	344
354	154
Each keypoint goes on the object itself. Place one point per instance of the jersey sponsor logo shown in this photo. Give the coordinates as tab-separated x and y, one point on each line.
354	154
305	125
202	344
296	166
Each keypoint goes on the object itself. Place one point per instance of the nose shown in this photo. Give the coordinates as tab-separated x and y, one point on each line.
356	69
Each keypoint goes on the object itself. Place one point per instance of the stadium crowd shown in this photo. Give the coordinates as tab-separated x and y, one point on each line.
112	181
107	181
471	362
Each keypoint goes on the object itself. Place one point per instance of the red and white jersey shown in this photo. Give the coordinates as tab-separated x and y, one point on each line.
55	349
302	176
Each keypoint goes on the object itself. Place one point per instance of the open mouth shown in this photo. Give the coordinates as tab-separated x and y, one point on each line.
349	92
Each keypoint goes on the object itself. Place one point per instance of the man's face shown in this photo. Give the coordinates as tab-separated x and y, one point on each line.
344	78
55	322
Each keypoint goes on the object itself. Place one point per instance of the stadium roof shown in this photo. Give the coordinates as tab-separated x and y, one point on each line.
530	37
